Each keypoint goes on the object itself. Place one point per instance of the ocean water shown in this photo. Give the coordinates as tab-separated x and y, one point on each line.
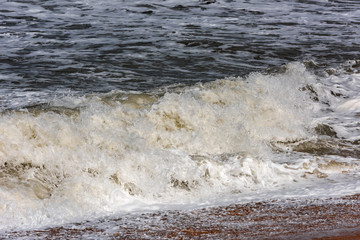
108	107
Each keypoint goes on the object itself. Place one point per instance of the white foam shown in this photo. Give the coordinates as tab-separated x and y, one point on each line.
352	106
121	151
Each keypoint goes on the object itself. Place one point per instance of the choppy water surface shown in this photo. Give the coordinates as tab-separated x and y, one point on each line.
113	106
85	46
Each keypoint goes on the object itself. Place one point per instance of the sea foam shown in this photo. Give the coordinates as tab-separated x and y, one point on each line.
95	155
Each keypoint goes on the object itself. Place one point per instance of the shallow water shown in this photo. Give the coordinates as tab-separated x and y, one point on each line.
116	107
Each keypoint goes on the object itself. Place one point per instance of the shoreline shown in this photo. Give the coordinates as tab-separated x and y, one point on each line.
325	219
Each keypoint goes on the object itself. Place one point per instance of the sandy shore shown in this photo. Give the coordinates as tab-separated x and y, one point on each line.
331	218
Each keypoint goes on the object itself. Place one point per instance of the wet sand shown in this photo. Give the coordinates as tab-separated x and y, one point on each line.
330	218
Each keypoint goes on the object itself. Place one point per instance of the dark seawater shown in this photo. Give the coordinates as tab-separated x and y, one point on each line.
97	46
109	107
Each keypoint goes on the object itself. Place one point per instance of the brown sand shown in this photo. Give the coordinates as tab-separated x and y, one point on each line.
331	218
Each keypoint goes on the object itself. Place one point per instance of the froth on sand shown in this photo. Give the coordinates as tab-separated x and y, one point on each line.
324	218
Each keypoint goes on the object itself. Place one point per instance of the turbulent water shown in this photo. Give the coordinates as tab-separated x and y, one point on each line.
115	106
